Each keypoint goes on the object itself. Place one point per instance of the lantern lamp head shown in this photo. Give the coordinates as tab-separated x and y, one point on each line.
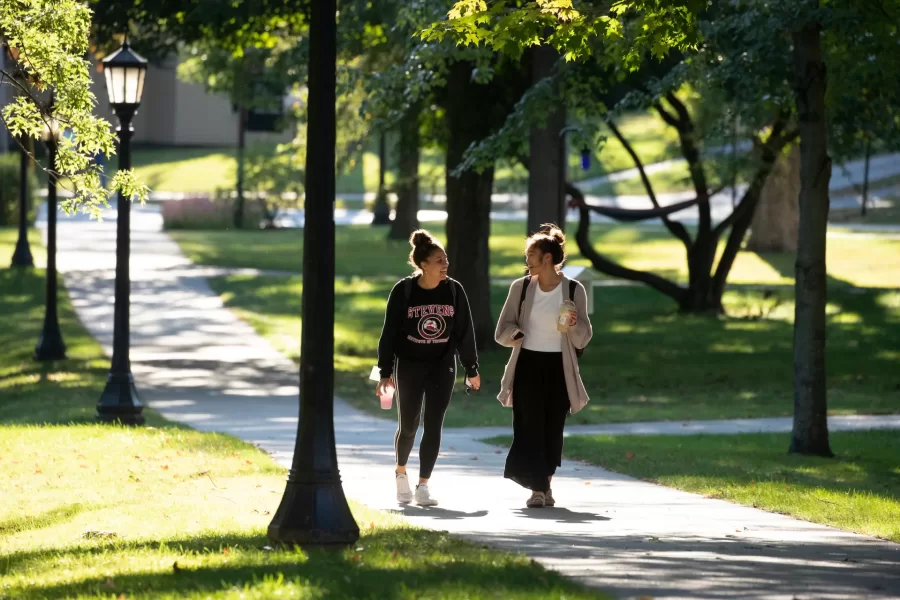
125	71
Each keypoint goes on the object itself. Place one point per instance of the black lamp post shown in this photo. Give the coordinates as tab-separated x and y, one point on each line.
22	256
125	71
314	510
50	345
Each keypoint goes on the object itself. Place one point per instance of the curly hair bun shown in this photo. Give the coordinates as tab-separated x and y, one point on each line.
420	238
554	233
423	245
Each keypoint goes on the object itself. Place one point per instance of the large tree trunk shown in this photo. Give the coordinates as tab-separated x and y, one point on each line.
775	224
406	216
546	157
810	432
469	198
381	212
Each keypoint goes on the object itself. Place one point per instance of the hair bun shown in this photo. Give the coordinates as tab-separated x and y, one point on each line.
554	233
420	237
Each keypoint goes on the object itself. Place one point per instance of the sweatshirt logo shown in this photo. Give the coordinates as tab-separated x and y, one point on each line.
432	325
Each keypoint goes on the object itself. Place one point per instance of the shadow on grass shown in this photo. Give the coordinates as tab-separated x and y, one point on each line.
646	362
50	517
369	572
865	461
57	392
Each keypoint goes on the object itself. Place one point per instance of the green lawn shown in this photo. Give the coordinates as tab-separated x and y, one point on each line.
202	170
163	511
883	215
57	392
363	251
701	368
859	490
645	362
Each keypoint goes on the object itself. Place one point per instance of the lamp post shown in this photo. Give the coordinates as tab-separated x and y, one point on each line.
125	71
50	345
314	510
22	256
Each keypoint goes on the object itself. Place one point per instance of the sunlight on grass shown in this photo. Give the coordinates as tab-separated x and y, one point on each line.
100	511
363	251
714	368
857	491
93	511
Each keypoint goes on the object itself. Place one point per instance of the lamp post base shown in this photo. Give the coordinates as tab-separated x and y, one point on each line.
119	401
50	345
22	256
314	514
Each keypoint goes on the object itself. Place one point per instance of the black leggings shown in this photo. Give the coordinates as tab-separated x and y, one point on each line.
417	381
540	407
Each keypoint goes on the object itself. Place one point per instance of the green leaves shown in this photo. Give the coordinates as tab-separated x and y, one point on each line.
510	27
47	41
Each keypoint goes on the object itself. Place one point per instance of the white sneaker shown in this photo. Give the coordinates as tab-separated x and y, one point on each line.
423	498
404	494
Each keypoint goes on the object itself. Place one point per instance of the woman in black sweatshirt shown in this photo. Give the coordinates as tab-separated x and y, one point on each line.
427	324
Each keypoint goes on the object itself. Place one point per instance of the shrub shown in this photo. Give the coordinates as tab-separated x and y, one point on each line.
203	212
9	191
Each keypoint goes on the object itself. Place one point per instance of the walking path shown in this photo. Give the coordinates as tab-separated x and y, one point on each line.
197	363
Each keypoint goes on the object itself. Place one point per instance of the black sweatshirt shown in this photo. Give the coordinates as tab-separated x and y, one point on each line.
428	327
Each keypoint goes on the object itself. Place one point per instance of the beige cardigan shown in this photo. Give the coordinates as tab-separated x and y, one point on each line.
577	337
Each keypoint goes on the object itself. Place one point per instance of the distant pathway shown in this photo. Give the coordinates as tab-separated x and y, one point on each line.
197	363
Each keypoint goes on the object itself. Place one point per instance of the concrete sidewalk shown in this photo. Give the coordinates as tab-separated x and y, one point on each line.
195	362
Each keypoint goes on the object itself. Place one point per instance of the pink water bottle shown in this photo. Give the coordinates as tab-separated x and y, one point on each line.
387	398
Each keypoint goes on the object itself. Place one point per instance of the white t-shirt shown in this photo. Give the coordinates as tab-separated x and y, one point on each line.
541	334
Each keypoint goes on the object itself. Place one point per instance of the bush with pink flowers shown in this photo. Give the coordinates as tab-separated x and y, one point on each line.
205	212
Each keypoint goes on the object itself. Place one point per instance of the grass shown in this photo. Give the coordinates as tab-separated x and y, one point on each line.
202	170
645	363
363	251
702	368
883	215
40	387
858	491
174	513
163	511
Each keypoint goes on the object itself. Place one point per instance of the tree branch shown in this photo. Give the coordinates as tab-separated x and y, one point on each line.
625	215
676	229
666	116
685	127
768	149
604	265
742	216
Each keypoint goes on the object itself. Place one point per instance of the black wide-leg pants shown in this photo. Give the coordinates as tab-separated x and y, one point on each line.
540	407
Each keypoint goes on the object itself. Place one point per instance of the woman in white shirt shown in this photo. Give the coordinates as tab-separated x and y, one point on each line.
545	322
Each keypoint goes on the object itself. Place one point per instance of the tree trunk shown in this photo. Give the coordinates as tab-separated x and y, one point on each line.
242	144
865	191
469	199
810	431
546	157
406	216
702	298
381	211
776	221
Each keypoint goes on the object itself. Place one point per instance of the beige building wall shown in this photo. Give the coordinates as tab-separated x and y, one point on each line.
172	112
177	113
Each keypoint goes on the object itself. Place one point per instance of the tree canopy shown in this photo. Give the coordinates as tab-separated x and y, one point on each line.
48	42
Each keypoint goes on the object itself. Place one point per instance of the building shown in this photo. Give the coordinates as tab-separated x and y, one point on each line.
172	112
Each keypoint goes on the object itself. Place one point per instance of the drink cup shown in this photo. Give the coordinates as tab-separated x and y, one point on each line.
387	398
566	309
